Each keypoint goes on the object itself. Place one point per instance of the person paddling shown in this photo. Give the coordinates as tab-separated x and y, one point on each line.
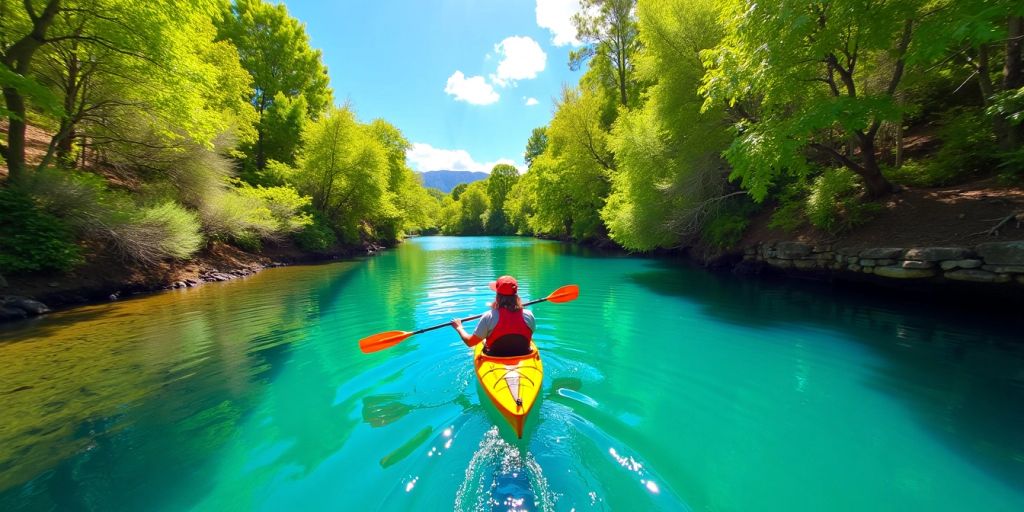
506	328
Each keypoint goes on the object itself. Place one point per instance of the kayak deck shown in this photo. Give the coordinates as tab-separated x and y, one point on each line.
512	383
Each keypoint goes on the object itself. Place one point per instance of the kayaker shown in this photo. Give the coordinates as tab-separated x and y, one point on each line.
506	327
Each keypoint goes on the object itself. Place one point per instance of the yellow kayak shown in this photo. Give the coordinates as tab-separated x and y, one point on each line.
512	383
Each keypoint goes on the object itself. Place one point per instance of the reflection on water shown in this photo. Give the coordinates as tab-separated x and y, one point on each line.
665	389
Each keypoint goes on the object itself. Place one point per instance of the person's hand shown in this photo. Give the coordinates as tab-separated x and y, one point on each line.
456	323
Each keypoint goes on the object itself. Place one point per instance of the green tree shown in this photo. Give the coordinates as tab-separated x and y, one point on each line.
669	178
536	145
608	30
818	76
274	48
503	177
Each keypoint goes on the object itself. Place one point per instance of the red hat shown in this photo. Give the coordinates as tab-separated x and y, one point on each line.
505	285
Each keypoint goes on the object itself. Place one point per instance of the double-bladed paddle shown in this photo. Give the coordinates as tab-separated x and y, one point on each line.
389	339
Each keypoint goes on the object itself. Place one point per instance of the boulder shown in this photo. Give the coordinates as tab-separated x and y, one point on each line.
32	307
867	263
822	248
805	264
977	276
775	262
904	273
937	253
868	270
854	267
9	314
917	264
792	250
1004	269
1002	253
848	251
890	253
969	263
885	262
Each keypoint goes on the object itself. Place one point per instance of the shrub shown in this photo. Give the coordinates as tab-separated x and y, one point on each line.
968	146
156	233
247	215
725	230
31	239
789	216
316	236
834	203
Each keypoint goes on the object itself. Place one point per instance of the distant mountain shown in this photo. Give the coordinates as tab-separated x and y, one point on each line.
446	180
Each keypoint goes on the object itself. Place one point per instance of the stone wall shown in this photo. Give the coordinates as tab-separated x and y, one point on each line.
996	262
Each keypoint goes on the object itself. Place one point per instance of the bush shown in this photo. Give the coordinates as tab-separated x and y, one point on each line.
156	233
247	215
31	239
789	216
834	203
316	236
968	146
725	230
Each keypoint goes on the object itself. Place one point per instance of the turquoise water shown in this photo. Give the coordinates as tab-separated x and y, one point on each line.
666	388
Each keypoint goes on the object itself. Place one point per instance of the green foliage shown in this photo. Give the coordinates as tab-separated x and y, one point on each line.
503	177
834	203
31	239
536	145
790	216
968	149
316	236
159	232
725	230
274	48
247	215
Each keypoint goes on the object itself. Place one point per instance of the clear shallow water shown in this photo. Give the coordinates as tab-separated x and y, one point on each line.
665	388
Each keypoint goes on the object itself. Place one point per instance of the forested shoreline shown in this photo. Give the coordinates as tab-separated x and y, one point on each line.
174	129
177	125
693	117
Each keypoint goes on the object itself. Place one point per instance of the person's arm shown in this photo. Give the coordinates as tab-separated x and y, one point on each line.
467	338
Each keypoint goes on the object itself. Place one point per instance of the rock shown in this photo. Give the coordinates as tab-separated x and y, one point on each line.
805	264
775	262
825	256
32	307
977	276
852	259
792	250
868	270
891	253
112	296
750	251
867	263
1020	279
9	314
1004	269
969	263
885	262
1002	253
53	285
848	251
917	264
904	273
840	258
854	267
822	248
937	253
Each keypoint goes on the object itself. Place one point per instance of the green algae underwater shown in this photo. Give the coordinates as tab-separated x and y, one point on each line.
666	388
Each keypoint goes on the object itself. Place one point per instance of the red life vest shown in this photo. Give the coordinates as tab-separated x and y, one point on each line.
509	322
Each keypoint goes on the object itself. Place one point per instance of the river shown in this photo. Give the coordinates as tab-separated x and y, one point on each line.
666	388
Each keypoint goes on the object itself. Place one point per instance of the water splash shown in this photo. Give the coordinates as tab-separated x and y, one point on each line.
503	477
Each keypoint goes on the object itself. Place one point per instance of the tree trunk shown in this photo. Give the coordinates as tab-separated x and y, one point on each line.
15	151
875	182
18	57
1013	77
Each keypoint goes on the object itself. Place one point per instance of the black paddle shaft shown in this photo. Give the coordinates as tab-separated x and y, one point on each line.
469	318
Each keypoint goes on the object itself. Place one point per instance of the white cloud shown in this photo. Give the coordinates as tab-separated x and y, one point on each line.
521	59
556	16
472	89
424	157
531	102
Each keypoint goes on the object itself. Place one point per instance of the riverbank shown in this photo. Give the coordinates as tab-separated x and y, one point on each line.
105	278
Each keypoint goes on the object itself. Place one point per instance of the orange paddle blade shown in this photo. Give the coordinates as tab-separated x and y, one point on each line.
382	341
565	294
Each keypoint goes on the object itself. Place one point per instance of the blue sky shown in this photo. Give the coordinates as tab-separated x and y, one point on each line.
454	75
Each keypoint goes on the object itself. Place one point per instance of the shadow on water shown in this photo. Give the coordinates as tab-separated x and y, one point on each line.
959	370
